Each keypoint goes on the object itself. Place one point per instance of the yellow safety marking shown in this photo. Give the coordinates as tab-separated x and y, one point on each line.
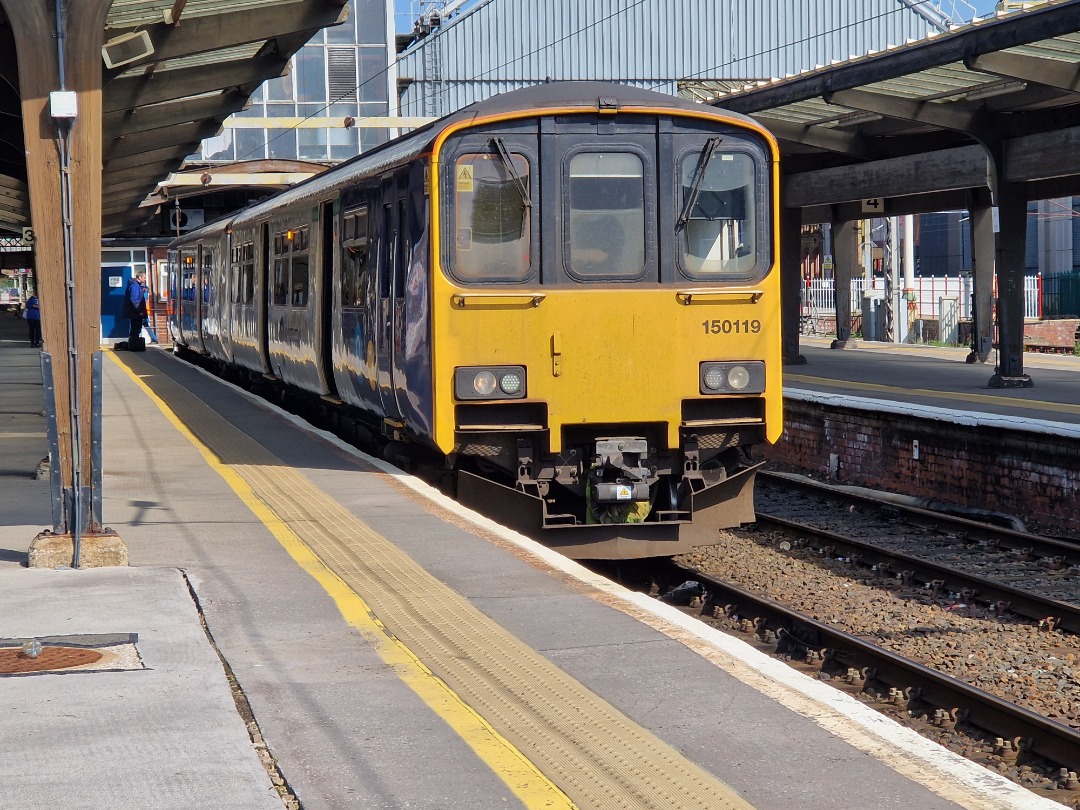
1034	404
519	774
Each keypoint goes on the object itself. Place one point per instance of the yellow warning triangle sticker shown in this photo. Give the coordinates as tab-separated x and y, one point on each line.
465	178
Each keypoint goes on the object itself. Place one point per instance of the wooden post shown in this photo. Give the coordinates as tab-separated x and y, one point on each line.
34	25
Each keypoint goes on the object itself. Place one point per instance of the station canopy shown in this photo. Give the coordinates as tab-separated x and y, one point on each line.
172	71
913	125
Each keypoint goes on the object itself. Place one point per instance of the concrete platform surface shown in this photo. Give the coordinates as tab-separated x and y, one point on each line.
166	736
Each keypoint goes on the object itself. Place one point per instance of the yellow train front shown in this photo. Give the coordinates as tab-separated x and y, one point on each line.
604	325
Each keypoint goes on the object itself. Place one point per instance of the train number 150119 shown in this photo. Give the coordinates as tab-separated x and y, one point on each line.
719	327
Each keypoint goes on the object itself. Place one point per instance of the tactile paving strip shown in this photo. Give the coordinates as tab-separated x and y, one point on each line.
594	753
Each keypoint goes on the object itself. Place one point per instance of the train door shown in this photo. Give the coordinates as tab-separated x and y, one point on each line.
174	295
229	284
205	282
262	294
187	304
327	308
389	237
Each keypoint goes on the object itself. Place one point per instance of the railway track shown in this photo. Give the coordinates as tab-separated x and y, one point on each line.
1026	574
951	626
996	732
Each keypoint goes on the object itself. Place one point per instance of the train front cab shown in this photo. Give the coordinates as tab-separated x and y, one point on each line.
606	317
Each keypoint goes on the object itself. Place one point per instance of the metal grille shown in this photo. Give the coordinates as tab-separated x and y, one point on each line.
341	66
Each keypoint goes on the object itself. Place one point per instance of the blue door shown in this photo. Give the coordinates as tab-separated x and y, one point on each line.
114	282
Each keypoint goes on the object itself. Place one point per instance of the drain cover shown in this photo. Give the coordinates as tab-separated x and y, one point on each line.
13	661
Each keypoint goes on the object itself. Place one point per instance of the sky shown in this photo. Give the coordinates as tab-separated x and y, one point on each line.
403	10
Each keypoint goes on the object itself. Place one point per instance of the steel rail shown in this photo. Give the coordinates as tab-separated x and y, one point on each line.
1023	603
928	518
1052	740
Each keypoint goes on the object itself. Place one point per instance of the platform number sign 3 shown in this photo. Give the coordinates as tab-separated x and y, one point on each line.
28	236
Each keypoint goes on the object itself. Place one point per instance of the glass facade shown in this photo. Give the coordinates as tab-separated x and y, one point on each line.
341	72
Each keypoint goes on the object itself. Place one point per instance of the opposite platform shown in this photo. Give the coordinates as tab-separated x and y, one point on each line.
938	377
347	601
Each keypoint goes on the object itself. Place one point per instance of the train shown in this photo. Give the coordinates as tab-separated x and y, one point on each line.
566	295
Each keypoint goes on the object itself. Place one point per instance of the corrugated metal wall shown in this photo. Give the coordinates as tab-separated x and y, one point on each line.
501	45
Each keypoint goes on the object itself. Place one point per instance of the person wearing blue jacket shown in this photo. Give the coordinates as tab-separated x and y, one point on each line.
135	305
33	320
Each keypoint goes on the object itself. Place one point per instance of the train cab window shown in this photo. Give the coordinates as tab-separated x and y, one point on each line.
718	220
354	268
492	217
606	217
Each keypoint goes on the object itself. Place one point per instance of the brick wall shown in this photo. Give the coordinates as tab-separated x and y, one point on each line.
1051	334
1034	477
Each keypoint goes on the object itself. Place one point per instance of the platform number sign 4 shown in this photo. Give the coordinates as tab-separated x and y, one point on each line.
874	205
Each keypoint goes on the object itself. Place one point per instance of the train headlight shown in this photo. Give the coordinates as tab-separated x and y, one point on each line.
713	378
738	377
489	382
483	383
510	383
732	378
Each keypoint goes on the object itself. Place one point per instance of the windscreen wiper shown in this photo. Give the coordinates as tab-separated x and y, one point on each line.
699	175
504	156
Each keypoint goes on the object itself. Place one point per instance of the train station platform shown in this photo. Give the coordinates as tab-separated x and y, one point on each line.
305	617
937	377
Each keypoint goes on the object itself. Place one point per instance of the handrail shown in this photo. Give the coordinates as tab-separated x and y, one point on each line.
463	300
687	297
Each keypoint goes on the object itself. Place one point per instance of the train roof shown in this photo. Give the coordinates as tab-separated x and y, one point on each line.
583	95
575	94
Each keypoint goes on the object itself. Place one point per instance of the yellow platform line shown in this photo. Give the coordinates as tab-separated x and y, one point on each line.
591	751
1034	404
522	777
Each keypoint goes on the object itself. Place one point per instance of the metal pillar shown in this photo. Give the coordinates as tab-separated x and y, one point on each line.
791	284
1009	253
981	225
845	247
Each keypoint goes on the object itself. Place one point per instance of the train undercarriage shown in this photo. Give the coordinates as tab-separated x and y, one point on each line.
617	496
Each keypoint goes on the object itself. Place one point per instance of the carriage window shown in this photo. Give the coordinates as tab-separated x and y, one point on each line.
606	220
207	273
493	225
281	270
401	260
187	276
354	269
248	272
298	291
719	227
235	274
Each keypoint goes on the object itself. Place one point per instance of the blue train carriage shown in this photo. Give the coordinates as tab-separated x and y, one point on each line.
568	293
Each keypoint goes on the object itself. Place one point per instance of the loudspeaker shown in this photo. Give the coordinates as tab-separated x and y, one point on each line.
127	48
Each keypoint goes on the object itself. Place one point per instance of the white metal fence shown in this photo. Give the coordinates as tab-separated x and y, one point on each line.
819	298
